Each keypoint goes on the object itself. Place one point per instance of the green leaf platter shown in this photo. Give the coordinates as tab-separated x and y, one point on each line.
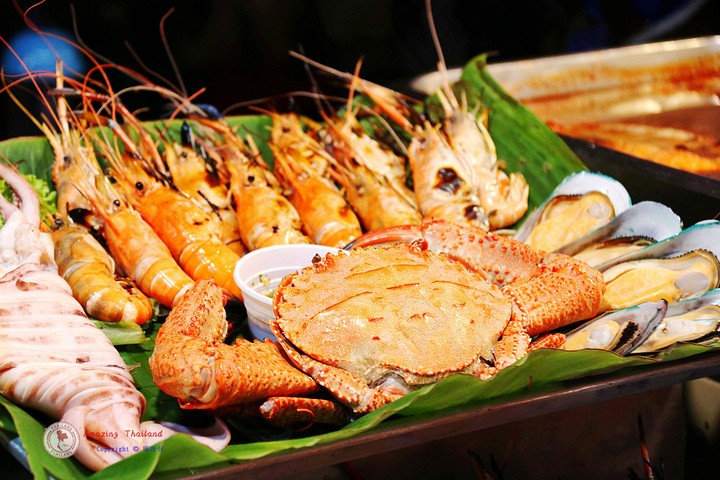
525	143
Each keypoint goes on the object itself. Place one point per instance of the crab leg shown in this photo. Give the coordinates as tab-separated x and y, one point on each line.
192	363
345	386
566	290
286	411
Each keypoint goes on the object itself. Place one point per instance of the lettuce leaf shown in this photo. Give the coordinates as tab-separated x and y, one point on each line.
46	195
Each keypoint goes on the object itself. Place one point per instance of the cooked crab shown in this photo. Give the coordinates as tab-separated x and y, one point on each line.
372	324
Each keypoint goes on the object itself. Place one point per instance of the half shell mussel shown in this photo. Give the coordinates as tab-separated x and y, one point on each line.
583	202
651	326
637	227
679	267
693	320
620	331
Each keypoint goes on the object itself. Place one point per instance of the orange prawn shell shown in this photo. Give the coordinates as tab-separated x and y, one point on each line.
155	271
264	216
317	203
89	270
191	235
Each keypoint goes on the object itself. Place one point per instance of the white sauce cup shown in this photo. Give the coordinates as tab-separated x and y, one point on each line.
258	274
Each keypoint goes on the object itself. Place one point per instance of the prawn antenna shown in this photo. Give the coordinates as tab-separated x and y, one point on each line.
433	32
171	58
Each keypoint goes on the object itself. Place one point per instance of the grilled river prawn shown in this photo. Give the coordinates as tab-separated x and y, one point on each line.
372	177
135	245
300	164
191	235
90	270
456	173
264	216
190	174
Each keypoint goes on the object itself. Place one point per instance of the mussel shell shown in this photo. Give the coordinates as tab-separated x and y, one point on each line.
567	217
693	320
695	303
620	331
682	329
703	235
650	279
599	253
612	199
650	220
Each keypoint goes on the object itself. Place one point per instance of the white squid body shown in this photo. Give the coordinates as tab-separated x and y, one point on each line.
52	357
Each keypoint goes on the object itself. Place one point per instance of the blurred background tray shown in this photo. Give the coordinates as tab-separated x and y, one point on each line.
693	197
608	84
660	99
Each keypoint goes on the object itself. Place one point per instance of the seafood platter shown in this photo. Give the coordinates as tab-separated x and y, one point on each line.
475	258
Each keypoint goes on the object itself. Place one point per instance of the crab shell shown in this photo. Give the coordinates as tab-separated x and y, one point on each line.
399	311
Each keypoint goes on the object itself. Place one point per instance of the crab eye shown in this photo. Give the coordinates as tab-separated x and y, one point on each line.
420	243
139	185
116	202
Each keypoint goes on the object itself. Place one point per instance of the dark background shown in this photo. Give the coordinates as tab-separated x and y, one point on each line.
238	50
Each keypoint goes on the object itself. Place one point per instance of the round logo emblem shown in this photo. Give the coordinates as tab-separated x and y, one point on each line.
61	439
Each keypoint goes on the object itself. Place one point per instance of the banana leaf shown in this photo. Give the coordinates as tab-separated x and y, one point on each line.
525	144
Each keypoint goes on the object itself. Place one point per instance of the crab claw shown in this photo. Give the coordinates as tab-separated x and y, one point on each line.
384	236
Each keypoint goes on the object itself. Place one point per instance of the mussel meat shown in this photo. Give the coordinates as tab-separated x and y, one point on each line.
688	320
671	279
619	331
639	226
678	267
581	203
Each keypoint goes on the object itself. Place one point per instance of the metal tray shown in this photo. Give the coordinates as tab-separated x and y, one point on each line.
557	78
693	197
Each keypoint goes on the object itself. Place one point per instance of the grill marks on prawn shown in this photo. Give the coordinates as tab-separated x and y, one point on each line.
448	181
